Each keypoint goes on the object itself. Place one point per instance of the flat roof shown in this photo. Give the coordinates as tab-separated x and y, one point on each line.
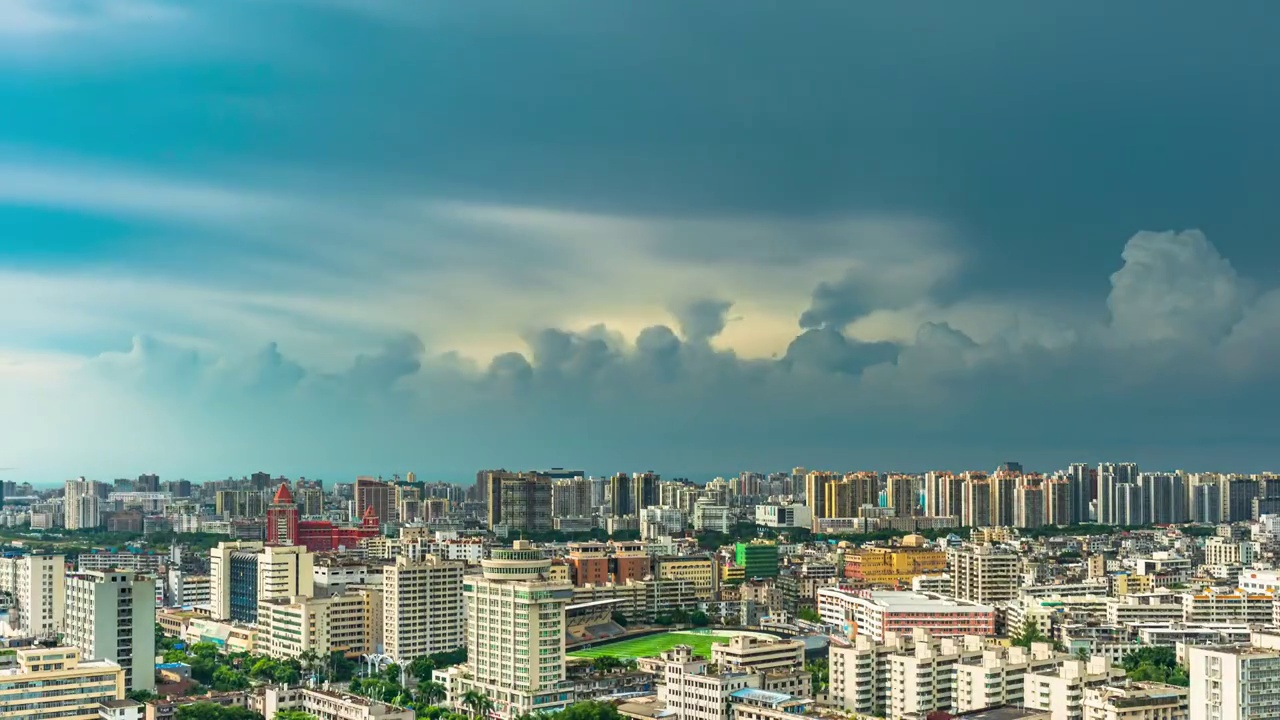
767	696
1003	712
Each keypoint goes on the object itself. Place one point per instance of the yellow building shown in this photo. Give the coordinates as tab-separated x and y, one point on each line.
53	683
733	573
288	627
1126	584
701	571
893	566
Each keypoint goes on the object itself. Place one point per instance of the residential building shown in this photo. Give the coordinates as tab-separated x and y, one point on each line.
1136	701
112	616
81	504
1234	682
1061	690
290	627
784	516
1233	606
56	684
40	595
422	606
983	573
376	494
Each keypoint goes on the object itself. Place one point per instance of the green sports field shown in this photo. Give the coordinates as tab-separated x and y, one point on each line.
652	645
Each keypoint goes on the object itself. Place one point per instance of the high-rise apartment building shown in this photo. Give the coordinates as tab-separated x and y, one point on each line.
976	503
1234	683
111	616
56	684
515	635
1028	505
1059	508
81	505
525	505
41	591
422	606
815	493
376	494
902	494
1003	501
1080	480
644	490
983	573
621	500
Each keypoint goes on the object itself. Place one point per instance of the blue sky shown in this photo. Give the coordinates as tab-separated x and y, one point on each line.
329	237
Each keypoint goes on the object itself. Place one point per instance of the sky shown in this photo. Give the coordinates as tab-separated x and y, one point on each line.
340	237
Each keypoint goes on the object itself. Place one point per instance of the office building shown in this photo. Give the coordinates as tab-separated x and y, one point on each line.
242	573
112	616
876	613
422	606
515	635
56	684
893	567
524	505
40	595
758	559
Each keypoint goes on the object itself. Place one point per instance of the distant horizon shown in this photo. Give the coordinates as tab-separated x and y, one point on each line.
700	478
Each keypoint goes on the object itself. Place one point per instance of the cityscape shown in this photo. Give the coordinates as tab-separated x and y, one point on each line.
1096	591
659	360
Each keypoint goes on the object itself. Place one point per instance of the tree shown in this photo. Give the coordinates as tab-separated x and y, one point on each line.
431	692
1155	664
293	715
809	614
285	674
605	663
1030	634
699	619
214	711
478	703
141	695
620	619
820	672
226	679
422	668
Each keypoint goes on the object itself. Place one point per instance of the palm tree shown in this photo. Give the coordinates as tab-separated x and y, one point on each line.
431	692
478	703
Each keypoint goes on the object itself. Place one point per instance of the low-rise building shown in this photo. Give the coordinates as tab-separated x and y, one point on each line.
325	705
877	612
1136	701
55	684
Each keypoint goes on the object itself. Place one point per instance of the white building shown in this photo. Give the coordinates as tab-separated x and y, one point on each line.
112	616
662	521
40	596
1062	690
324	705
710	517
784	516
1137	701
746	653
81	505
422	606
1234	683
875	613
515	635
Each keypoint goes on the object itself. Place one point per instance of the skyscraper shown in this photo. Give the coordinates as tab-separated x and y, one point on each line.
1081	484
1028	511
976	503
644	490
902	495
621	501
525	503
815	492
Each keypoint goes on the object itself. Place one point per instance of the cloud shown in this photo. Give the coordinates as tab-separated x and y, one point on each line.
44	18
598	398
1175	286
701	320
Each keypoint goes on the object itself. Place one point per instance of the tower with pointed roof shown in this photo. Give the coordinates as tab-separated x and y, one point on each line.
282	518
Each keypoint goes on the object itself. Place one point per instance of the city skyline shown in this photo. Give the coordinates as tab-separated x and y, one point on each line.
334	236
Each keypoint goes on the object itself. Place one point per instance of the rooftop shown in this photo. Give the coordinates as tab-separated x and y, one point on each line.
1002	712
761	696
